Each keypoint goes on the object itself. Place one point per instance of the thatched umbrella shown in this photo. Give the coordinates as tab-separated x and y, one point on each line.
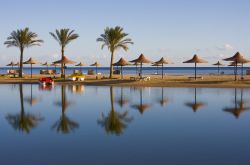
31	61
238	59
218	64
46	64
96	64
80	65
122	62
142	106
141	60
195	60
11	64
239	107
195	105
64	61
161	62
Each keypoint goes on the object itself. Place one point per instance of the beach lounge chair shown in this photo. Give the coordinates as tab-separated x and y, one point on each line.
90	72
77	77
77	72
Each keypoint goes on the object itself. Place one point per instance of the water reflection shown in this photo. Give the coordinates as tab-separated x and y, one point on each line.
22	121
31	100
122	101
114	122
141	107
195	105
239	106
64	125
76	89
163	101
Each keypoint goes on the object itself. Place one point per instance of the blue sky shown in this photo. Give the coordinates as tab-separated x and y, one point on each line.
175	29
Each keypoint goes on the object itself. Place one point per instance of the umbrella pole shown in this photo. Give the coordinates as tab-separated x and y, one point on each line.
195	70
121	71
218	69
236	71
136	69
157	70
162	70
195	97
141	70
242	72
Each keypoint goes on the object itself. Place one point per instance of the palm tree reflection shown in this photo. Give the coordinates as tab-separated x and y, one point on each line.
239	106
23	122
114	122
195	105
142	107
64	124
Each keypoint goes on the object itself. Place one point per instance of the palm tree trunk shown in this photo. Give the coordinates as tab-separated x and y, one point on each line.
112	99
62	65
21	63
21	98
111	65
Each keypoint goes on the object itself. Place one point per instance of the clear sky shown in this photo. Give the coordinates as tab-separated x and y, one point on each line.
175	29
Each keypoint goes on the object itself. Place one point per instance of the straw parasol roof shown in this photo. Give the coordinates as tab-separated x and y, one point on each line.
162	61
31	61
55	64
96	64
64	60
11	64
239	58
195	59
80	64
17	64
121	62
234	64
218	63
141	59
45	64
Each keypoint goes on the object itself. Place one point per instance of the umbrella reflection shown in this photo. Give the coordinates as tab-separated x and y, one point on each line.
31	100
114	122
195	105
64	125
239	106
142	107
23	122
122	101
163	101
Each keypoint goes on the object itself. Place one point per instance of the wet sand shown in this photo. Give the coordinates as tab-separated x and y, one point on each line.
208	81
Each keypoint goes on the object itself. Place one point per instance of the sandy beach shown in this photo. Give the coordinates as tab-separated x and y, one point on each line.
208	81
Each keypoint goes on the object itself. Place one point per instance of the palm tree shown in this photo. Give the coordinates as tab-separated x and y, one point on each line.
114	38
22	38
64	37
24	121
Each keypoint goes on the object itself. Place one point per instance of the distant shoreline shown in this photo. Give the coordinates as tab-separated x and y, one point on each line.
212	81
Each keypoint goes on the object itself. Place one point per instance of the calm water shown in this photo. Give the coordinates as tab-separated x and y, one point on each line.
132	70
103	125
